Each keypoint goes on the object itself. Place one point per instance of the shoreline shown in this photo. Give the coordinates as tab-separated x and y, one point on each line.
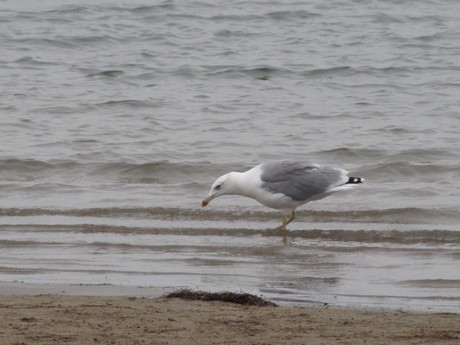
65	318
31	289
108	290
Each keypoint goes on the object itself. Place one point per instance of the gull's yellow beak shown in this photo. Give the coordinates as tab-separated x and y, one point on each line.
206	201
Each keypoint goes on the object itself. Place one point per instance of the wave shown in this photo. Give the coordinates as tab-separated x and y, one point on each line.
266	72
290	15
258	72
409	215
295	72
128	103
324	72
107	73
364	239
410	155
432	283
69	10
151	172
404	171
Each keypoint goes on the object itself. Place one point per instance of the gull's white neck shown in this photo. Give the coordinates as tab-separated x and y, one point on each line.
244	183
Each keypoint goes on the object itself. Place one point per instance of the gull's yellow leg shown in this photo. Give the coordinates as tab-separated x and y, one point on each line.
286	221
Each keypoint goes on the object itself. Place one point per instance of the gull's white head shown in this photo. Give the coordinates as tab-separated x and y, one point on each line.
224	185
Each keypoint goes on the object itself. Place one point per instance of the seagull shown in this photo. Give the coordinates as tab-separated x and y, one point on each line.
283	185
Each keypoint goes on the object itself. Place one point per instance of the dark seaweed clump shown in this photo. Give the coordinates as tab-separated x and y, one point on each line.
230	297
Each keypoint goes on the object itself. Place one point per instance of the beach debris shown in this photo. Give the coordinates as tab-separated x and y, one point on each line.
225	296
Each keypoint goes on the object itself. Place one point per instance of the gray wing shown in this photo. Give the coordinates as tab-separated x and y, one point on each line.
300	181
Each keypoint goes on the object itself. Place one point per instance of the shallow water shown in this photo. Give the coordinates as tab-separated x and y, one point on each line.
116	119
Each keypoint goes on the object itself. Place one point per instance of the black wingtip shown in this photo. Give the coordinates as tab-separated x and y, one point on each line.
355	180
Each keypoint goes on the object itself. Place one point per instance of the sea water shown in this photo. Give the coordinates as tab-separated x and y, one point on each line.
116	117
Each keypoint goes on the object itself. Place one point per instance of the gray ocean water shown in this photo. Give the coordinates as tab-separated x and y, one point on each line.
117	116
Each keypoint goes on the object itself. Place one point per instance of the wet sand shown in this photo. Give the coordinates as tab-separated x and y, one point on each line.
65	319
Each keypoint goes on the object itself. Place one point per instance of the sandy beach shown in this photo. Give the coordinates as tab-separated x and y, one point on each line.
65	319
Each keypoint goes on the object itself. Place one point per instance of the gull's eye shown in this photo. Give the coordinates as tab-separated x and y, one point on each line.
218	186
